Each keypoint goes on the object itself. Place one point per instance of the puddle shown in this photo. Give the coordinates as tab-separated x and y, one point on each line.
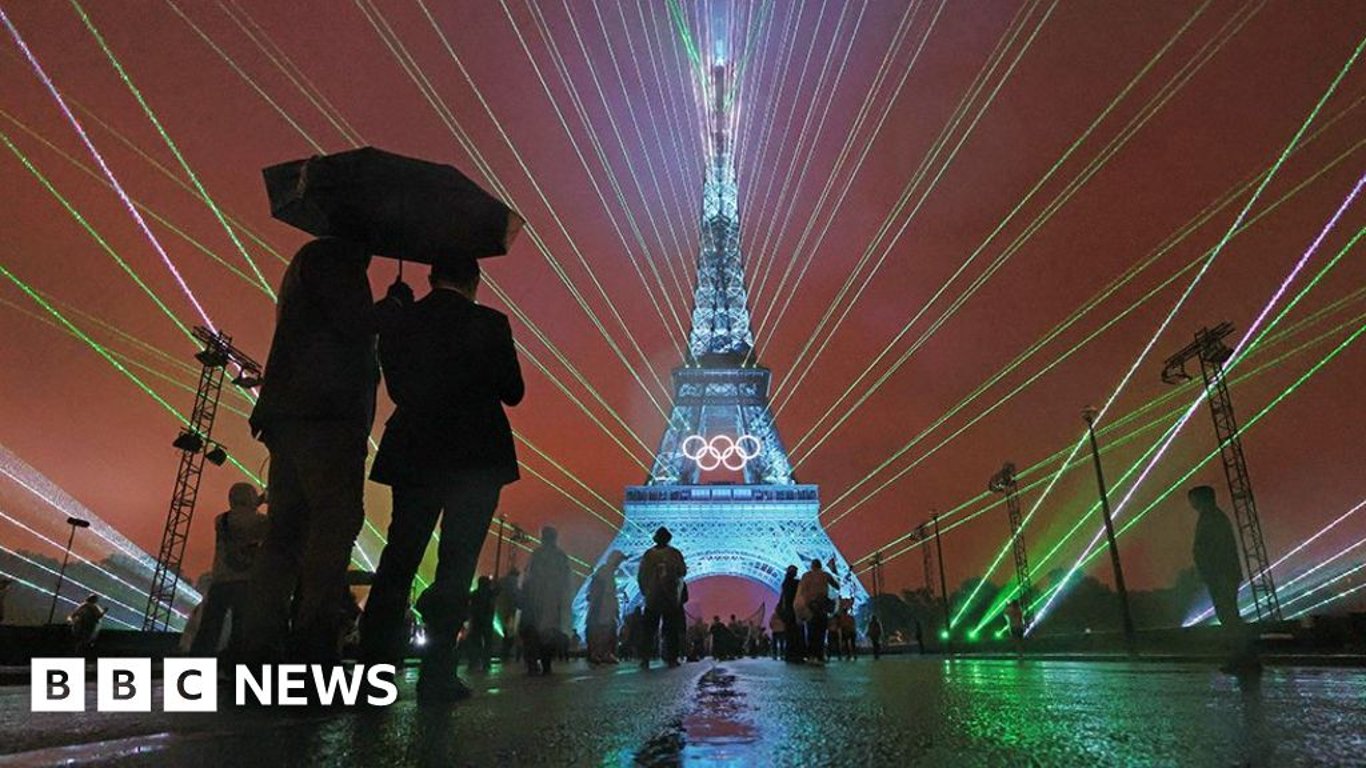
716	730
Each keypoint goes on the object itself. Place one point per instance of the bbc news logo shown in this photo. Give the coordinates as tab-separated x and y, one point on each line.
191	685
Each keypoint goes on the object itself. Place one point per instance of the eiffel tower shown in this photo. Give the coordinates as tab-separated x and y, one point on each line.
721	425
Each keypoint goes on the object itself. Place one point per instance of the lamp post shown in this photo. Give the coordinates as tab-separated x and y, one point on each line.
74	522
1089	413
943	585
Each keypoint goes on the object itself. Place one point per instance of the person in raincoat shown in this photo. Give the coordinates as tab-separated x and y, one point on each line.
604	611
545	595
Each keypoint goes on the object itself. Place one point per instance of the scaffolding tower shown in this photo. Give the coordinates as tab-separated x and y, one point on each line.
1003	482
196	446
1209	348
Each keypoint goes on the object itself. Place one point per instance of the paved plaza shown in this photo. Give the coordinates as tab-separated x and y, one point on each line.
896	711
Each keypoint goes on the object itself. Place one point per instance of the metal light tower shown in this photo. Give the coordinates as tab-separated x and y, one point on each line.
877	573
1003	482
1210	350
74	522
1089	414
196	445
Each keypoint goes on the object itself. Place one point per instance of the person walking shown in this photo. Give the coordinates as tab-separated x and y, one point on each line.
238	534
506	607
85	624
848	632
660	579
875	636
314	414
479	635
794	647
813	606
604	611
737	635
720	642
779	630
447	451
545	603
1216	560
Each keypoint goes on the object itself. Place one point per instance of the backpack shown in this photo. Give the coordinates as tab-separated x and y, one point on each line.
236	556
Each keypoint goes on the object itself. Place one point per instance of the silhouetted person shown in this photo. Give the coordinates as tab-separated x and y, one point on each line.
545	603
779	630
660	579
238	534
919	637
813	606
450	366
85	624
479	637
4	592
1216	560
506	607
1015	615
848	633
720	638
696	639
875	636
604	611
316	408
795	650
738	634
631	630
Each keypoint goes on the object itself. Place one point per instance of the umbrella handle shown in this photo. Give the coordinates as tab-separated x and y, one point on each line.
400	270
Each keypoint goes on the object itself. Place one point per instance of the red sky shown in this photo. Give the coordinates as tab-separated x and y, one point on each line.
71	415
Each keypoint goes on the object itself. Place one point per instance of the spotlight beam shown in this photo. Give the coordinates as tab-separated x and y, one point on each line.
171	145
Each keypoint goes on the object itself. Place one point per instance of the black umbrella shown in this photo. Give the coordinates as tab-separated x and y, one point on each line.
398	206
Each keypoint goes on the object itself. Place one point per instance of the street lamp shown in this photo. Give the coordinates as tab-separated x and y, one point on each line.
1089	413
74	522
943	586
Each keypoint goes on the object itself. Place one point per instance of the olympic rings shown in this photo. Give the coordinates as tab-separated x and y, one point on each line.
721	451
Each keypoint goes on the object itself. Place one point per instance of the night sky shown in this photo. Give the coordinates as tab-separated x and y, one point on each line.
1216	90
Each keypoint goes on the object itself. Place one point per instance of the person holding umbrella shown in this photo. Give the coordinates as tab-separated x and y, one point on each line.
450	368
315	411
317	400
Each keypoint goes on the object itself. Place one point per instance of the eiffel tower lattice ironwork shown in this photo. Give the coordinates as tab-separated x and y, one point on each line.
721	424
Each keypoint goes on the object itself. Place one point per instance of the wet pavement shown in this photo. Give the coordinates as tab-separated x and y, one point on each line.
902	710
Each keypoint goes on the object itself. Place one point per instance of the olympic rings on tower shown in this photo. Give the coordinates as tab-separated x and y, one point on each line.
721	451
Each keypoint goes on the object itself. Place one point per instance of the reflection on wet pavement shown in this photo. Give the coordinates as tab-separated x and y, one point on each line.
716	730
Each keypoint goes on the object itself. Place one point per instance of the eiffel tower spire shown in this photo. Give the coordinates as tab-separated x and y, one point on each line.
720	318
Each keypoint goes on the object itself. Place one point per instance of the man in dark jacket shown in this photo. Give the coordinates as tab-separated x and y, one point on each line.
316	408
660	578
450	366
